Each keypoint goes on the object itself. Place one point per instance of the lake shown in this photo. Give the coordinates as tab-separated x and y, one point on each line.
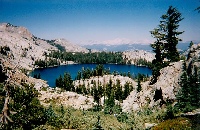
52	73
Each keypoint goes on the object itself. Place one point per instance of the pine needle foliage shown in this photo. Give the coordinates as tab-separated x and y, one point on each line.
166	35
188	97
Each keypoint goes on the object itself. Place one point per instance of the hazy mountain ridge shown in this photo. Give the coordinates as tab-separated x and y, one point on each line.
131	46
119	47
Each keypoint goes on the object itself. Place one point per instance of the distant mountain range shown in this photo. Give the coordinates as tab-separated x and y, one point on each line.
119	47
125	47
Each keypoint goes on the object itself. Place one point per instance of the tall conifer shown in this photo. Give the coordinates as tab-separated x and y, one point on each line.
166	35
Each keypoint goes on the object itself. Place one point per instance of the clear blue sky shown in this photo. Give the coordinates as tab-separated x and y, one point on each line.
85	21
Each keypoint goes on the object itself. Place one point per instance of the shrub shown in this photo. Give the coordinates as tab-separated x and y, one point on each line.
29	113
174	124
98	124
122	117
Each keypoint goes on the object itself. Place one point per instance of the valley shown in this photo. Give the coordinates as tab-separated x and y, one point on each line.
103	91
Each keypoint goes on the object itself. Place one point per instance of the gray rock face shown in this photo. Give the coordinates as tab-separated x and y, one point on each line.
165	88
66	98
135	55
69	47
193	57
26	48
168	81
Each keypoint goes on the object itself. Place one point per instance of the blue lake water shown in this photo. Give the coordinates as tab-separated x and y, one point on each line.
52	73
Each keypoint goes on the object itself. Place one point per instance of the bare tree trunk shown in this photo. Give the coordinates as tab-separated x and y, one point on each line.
4	117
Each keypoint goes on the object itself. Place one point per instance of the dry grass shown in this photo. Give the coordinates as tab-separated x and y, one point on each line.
82	120
174	124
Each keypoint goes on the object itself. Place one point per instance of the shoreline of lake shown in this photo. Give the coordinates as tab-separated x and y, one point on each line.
50	74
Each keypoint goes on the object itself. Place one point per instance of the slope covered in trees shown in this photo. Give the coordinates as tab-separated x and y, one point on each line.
97	57
59	57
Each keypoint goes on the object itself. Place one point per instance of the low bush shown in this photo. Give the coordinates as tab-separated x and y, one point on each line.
174	124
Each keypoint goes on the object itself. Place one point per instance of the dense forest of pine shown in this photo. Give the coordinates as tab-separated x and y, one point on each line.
58	57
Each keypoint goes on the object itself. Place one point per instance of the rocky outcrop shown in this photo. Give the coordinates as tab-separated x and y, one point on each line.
194	52
17	75
69	47
166	87
80	101
72	99
155	95
26	48
193	57
134	56
169	79
103	80
22	50
47	94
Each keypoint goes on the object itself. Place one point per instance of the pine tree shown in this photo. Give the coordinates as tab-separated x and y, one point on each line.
126	91
109	88
157	63
68	82
166	36
97	93
23	100
188	98
2	74
191	43
111	99
198	9
118	93
79	75
183	94
59	82
194	89
129	74
110	93
139	87
171	23
100	90
96	96
100	69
